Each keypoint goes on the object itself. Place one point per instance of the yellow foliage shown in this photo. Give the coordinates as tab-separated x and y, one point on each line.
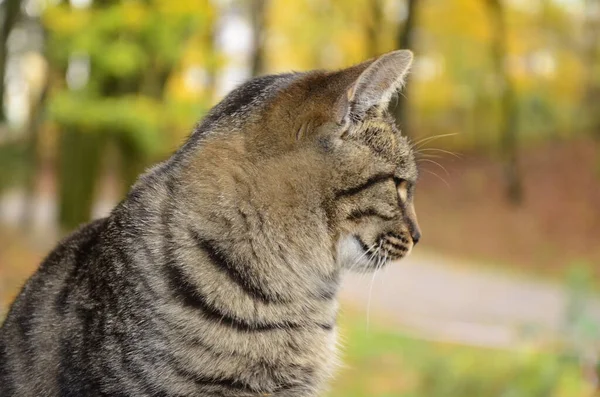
184	7
66	21
134	14
456	35
455	20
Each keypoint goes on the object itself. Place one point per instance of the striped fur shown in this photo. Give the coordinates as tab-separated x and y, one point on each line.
218	274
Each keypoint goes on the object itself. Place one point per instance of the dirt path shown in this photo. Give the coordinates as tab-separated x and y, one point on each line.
440	299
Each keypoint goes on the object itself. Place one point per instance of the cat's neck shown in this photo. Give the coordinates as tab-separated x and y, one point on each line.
264	226
265	248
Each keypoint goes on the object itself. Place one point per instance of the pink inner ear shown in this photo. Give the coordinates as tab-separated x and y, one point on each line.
380	80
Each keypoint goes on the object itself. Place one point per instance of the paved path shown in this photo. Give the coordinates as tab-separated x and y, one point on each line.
444	300
427	294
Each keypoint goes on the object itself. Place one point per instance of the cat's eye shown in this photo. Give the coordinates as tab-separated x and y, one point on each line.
402	187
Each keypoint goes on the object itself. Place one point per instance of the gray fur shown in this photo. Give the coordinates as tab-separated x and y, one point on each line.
218	274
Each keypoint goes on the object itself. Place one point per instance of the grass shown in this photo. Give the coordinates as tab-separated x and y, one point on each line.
383	363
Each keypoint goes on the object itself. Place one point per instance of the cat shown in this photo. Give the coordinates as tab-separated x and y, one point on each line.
218	274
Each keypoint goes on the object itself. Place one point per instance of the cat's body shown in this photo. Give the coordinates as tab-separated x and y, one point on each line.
218	274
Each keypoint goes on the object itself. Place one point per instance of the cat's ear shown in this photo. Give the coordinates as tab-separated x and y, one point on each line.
376	85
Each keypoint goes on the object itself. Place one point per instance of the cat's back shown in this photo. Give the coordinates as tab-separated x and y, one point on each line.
40	316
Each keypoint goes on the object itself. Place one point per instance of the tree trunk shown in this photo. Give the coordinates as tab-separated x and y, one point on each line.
374	28
32	156
591	57
11	11
79	166
258	13
405	40
509	121
132	163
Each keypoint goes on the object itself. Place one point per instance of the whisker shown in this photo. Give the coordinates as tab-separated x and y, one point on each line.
418	144
355	263
428	156
385	270
385	259
439	177
369	302
438	164
433	149
371	286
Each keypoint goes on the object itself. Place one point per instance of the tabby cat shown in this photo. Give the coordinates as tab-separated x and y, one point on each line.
218	274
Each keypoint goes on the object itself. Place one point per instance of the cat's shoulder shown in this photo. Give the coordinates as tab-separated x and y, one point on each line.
72	249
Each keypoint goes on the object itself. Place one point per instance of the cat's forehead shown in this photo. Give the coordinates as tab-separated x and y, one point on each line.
384	138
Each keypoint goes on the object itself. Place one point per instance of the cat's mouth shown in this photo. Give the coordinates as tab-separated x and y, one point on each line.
358	255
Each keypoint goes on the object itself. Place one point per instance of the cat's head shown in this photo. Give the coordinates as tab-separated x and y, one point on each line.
324	143
375	172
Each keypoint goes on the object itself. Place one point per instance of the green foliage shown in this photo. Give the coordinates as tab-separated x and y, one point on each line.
126	37
380	363
137	118
13	164
78	170
139	51
134	48
581	330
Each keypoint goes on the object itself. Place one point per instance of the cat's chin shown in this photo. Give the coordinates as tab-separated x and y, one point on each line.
354	255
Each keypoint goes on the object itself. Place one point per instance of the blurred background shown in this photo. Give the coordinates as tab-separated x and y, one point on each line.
499	299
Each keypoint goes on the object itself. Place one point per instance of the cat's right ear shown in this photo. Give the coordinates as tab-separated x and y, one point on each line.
374	87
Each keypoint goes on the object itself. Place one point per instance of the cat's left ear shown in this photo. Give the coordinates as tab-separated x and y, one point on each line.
377	84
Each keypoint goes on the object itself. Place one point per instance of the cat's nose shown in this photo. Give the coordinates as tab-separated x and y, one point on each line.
416	236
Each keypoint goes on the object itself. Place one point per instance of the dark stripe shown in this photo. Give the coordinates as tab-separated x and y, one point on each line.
132	361
394	249
302	375
60	300
220	382
81	256
372	212
362	244
185	290
76	375
399	237
240	98
234	272
25	319
330	289
6	383
379	178
192	298
233	384
327	293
